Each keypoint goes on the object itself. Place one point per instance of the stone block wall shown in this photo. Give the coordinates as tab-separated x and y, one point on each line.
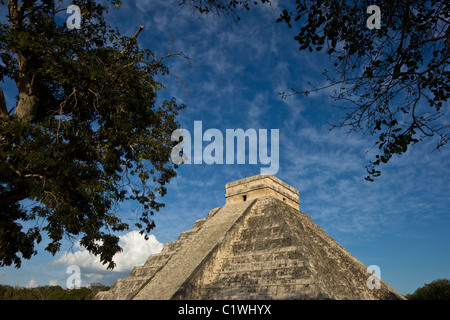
259	186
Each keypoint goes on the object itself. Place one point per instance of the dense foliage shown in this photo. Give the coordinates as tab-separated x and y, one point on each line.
85	135
438	289
50	293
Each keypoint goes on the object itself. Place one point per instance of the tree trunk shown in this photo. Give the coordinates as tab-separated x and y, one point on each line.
28	104
3	110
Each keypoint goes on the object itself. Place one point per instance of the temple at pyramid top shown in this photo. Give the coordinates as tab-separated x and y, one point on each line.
259	186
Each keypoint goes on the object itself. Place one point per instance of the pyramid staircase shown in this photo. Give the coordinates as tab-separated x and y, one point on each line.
126	289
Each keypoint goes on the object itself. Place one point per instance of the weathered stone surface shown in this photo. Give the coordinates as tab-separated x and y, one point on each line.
183	264
257	247
258	186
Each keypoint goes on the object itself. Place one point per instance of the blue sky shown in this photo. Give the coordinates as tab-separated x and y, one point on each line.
400	222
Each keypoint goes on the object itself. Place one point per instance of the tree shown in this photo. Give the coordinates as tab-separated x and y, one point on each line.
438	289
85	135
393	82
50	292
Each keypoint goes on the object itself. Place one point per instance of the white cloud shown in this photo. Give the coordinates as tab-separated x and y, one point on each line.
53	283
32	284
135	252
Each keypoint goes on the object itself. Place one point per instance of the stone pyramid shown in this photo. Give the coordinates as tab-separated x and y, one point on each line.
257	246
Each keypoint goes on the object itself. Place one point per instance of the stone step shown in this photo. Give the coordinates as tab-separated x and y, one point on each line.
213	212
143	271
262	244
124	287
171	247
261	283
268	263
157	259
177	270
185	235
199	223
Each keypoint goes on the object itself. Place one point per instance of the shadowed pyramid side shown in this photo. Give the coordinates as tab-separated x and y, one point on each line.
278	252
259	259
335	268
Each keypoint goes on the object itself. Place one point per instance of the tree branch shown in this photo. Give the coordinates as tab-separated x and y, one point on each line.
134	37
3	110
13	196
138	31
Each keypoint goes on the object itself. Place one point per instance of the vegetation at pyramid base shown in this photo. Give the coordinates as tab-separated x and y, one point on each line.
438	289
85	134
50	292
